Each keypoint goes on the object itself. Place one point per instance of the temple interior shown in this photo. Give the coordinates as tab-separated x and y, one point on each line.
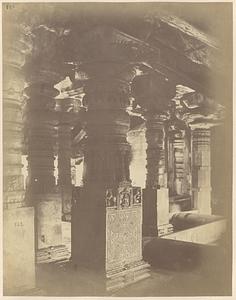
117	149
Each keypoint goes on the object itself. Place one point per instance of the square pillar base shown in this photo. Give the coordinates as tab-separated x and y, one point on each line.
18	250
107	236
202	200
117	279
165	229
49	220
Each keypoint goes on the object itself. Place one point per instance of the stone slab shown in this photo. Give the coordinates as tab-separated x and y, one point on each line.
18	250
49	224
162	206
203	234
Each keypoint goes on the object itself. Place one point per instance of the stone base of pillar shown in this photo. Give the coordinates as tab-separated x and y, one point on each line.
48	220
165	229
131	273
107	235
19	250
53	254
202	200
156	212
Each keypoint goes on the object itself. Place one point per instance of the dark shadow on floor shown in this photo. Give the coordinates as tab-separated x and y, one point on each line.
177	269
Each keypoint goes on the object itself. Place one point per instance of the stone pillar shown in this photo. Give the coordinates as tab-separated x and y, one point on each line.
18	218
43	72
41	187
205	114
108	214
201	169
178	142
64	163
156	194
153	93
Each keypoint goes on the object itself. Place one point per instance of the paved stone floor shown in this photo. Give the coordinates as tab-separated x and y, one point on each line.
204	271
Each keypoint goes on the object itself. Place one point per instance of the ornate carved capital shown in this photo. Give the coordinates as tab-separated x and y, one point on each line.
153	92
44	65
108	85
107	95
200	111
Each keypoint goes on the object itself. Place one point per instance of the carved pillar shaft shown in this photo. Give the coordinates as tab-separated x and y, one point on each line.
153	93
201	170
64	165
13	181
41	135
178	145
107	154
43	70
156	195
156	156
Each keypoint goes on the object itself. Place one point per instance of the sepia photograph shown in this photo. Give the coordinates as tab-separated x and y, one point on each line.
117	149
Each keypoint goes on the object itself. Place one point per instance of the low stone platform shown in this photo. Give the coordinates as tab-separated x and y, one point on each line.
52	254
208	233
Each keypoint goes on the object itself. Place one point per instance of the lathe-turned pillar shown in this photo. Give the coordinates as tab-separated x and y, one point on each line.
41	185
64	163
153	92
41	121
108	215
18	217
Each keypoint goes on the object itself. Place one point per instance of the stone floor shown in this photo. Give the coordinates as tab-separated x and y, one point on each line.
178	269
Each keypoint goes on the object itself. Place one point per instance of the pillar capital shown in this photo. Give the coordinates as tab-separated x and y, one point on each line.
200	112
44	66
108	86
153	92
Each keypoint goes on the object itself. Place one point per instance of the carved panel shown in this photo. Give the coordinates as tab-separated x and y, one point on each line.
123	237
13	183
123	197
111	198
137	195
